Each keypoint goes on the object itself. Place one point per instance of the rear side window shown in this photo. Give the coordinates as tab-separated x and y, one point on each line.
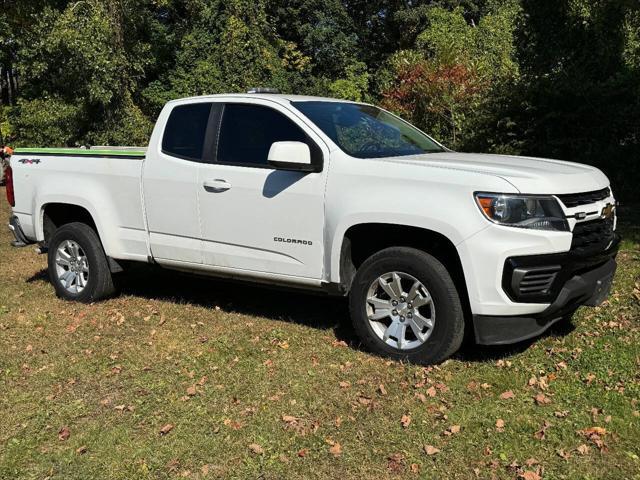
248	131
185	131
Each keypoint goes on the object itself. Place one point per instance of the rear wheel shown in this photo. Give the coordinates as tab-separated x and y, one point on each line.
405	305
78	266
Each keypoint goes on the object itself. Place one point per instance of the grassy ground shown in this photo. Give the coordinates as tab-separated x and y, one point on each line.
184	377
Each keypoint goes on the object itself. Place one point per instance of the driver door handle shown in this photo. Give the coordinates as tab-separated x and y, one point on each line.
217	185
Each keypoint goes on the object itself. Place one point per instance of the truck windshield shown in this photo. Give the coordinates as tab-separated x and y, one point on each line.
365	131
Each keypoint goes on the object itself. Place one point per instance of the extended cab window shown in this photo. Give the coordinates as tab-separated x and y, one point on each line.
185	131
248	131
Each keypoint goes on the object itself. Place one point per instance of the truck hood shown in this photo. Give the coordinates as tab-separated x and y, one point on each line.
527	174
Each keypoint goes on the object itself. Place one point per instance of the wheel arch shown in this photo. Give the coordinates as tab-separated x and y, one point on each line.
362	240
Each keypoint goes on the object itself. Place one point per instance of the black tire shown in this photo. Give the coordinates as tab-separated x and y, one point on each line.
99	282
448	329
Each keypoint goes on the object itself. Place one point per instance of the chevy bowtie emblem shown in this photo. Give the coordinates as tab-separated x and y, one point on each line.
607	212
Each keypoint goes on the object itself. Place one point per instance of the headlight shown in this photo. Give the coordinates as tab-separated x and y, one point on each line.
534	212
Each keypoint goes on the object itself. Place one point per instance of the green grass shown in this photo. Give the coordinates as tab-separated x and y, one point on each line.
116	372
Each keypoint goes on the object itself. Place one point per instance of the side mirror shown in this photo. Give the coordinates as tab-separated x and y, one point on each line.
291	156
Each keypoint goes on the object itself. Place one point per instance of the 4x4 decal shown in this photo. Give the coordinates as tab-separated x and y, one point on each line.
29	161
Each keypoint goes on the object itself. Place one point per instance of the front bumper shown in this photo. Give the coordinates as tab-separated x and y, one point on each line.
586	281
21	239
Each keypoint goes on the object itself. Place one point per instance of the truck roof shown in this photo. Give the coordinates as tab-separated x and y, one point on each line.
279	97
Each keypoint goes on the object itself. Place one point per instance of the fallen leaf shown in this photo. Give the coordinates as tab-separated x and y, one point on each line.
166	429
583	449
542	399
500	425
405	421
191	391
344	384
232	423
595	434
593	431
431	391
257	449
303	452
395	463
81	450
64	433
507	395
541	434
530	475
431	450
452	430
289	419
335	449
382	390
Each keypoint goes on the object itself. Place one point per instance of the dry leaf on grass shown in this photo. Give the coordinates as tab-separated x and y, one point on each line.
335	449
541	434
530	475
542	399
257	449
431	450
64	433
166	429
395	463
583	449
507	395
405	421
452	430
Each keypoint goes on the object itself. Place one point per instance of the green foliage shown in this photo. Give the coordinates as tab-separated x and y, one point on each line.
354	85
51	122
557	78
445	83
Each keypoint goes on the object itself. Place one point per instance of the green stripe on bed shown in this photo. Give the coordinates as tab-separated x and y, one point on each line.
79	152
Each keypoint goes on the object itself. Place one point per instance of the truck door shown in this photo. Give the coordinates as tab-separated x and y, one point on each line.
170	183
256	217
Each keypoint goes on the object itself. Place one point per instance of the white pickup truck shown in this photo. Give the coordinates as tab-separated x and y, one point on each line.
333	196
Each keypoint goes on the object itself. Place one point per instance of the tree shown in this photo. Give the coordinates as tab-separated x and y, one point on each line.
447	80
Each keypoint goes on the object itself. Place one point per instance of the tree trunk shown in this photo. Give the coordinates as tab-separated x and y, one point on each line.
1	87
9	87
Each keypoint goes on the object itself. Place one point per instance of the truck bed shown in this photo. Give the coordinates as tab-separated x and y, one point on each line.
106	182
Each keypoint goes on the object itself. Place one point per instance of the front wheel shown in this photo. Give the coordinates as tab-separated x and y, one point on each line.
78	267
405	305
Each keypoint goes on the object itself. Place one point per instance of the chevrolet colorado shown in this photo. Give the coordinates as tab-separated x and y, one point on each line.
335	196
